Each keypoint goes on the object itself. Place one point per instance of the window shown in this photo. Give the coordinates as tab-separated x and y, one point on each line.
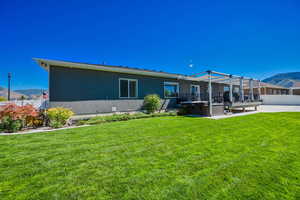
128	88
171	89
226	88
195	90
236	90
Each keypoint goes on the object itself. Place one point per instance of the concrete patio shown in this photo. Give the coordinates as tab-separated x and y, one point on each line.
261	109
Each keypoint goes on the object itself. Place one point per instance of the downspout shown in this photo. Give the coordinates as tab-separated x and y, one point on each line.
209	93
259	91
251	89
230	90
242	89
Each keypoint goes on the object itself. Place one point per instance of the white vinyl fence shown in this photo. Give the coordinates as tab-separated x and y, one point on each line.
281	99
39	103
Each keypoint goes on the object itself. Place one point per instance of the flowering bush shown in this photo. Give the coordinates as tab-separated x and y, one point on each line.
35	122
58	117
16	112
13	117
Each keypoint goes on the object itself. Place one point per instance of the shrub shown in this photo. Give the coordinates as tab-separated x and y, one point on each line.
58	117
13	117
152	103
10	125
35	122
17	112
182	111
2	99
124	117
23	98
81	122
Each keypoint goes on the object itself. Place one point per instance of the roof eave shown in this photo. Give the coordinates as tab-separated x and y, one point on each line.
46	63
41	63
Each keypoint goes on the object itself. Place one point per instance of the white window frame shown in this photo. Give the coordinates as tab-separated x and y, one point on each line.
136	88
171	83
198	86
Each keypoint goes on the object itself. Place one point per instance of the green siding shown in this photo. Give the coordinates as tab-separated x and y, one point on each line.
71	84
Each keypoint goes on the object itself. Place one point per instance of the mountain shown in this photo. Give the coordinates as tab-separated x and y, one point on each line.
31	93
13	95
27	93
291	79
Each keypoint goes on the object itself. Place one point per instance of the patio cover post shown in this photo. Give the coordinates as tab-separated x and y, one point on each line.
230	89
241	89
209	93
259	91
251	89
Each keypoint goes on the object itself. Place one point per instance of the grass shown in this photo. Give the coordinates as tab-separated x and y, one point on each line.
249	157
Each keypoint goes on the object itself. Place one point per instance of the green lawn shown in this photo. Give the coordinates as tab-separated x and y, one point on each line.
249	157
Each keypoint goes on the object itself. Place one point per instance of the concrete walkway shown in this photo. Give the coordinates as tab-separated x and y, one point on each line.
41	130
278	108
233	115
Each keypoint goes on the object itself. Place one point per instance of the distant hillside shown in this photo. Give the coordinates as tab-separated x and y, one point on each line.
27	93
13	95
30	92
291	79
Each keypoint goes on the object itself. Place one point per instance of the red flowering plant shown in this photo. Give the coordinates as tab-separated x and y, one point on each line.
13	117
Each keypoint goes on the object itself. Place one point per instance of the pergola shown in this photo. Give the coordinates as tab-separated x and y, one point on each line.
243	83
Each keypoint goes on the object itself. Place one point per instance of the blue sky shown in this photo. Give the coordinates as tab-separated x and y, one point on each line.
250	38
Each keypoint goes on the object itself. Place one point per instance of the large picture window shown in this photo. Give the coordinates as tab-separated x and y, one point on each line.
171	89
128	88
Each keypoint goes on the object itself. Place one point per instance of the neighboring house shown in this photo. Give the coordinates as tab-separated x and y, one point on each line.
92	88
270	89
295	90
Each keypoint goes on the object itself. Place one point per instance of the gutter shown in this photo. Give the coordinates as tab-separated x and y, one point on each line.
46	63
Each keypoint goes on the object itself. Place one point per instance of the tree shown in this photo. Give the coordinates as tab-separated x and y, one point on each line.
2	99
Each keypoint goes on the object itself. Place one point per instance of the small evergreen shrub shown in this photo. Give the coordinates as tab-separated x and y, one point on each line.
182	111
58	117
9	125
152	103
81	122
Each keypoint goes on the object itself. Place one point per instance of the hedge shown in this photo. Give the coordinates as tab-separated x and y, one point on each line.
123	117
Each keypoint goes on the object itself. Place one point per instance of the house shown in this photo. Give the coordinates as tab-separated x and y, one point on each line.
295	90
94	88
270	89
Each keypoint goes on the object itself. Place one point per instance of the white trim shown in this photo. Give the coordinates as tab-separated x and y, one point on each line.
128	90
171	83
